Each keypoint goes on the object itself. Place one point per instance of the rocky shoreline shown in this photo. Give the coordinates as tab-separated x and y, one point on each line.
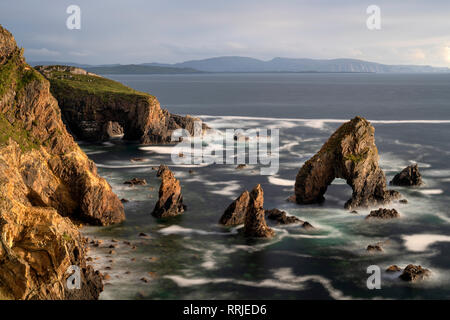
50	187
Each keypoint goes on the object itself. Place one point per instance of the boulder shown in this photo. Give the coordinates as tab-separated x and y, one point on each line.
350	154
384	214
393	268
136	182
255	223
374	248
413	273
170	202
408	177
112	129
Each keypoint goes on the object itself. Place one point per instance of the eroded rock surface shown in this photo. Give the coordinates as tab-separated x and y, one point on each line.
255	223
45	179
170	202
235	213
408	177
350	154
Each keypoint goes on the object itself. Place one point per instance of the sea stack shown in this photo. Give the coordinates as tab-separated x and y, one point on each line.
408	177
46	180
350	154
235	213
255	224
170	202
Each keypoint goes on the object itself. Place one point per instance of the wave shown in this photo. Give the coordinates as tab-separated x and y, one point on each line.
420	242
281	182
283	279
319	121
175	229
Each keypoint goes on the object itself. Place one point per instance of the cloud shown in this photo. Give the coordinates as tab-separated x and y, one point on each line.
43	52
137	31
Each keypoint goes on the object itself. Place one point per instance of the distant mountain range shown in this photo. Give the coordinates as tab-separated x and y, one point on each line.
245	65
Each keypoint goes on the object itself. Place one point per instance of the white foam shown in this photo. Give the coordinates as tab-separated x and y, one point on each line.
283	279
420	242
317	123
175	229
443	216
431	191
281	182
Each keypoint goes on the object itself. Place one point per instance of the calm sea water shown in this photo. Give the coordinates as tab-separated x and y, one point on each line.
192	257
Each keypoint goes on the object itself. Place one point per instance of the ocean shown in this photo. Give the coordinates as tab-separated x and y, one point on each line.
192	257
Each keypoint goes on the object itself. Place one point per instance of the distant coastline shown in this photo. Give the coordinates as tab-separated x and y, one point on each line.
251	65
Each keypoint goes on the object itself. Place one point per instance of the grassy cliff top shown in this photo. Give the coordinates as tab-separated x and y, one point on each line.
80	79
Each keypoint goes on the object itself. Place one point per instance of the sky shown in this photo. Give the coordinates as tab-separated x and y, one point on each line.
169	31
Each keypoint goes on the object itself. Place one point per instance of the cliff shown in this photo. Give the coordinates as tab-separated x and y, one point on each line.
89	102
46	182
350	154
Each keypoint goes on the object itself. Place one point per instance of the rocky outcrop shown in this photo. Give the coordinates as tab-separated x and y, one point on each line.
350	154
409	177
90	102
113	129
170	202
394	268
413	273
281	217
235	213
136	182
384	214
374	248
255	223
45	180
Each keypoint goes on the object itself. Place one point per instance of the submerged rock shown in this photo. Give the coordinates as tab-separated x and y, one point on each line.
374	248
350	154
281	217
306	225
408	177
255	223
393	268
383	214
413	273
235	213
170	202
136	182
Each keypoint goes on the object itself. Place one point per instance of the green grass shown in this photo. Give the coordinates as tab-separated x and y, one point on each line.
91	84
356	158
17	133
16	75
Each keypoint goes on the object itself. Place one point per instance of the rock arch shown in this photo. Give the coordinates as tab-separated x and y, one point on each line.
350	154
89	102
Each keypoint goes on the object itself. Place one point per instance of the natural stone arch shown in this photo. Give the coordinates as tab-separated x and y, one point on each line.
350	154
89	102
